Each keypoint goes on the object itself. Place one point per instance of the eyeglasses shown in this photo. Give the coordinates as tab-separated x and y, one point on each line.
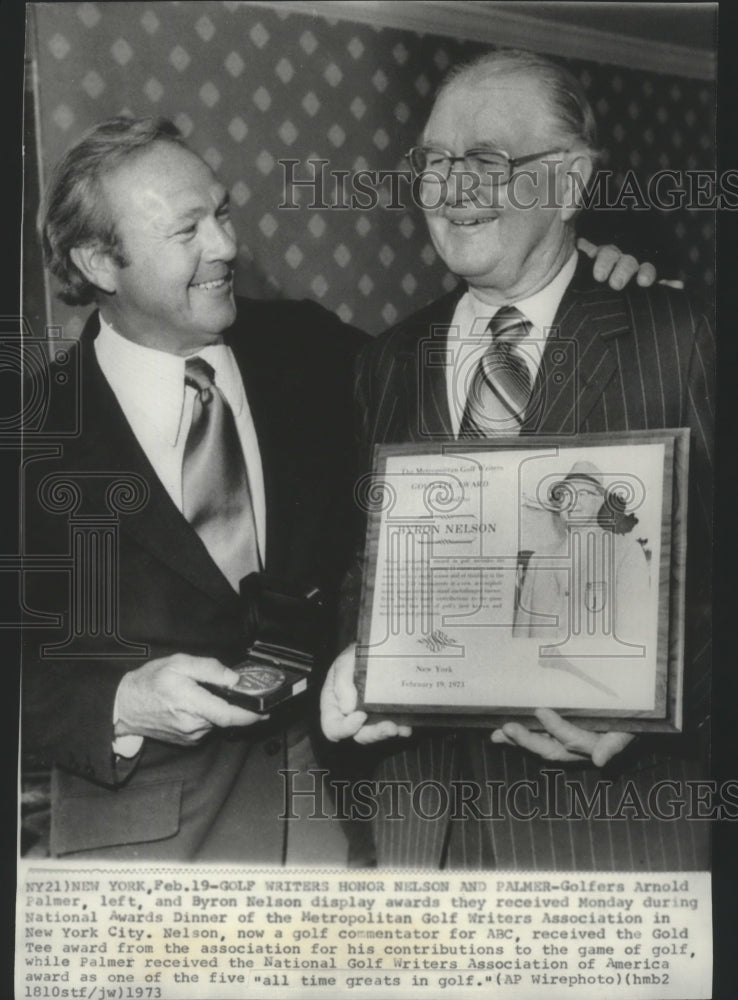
492	166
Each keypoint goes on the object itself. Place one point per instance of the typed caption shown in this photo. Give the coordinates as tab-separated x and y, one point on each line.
195	934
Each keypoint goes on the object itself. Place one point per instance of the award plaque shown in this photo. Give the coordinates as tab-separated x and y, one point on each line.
512	574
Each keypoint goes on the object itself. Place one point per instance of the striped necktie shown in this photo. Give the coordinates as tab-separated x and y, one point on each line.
501	385
215	486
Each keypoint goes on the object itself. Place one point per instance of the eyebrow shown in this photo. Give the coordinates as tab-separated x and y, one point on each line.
196	212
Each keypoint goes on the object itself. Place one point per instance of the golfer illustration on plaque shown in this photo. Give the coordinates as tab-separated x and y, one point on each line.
586	590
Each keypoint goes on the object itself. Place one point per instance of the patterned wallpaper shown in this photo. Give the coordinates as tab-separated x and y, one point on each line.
250	86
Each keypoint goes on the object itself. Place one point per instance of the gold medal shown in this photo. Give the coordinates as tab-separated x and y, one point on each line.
257	679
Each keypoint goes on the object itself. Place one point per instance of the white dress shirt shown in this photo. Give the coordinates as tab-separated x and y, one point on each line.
469	336
150	387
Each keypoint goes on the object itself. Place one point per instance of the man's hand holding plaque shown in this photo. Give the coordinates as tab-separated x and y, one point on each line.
562	740
338	713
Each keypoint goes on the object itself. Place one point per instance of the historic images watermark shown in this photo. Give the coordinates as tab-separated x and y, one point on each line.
313	185
549	796
42	415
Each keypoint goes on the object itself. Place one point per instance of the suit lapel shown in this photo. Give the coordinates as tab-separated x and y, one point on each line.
109	447
424	372
579	358
259	394
579	361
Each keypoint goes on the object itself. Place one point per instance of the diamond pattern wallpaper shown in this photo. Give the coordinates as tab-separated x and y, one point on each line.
252	86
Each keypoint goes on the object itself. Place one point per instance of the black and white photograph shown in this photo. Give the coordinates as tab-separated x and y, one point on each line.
365	465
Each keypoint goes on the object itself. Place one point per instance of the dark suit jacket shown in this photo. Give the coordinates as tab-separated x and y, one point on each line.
637	359
158	592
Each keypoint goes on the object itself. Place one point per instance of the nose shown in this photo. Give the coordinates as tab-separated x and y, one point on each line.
220	240
460	183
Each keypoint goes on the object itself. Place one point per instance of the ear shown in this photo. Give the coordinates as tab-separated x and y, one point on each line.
96	265
575	181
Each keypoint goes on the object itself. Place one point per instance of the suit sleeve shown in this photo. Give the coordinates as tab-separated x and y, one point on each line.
337	364
350	595
699	416
66	702
68	714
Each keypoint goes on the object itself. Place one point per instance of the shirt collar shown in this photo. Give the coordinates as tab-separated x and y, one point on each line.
151	382
539	308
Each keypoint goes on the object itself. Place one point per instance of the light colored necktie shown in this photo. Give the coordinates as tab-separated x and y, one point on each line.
501	385
215	486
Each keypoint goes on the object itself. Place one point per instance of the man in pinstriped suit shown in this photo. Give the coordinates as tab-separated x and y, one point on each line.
644	361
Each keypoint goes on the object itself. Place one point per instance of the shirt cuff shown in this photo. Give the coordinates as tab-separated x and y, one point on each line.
125	746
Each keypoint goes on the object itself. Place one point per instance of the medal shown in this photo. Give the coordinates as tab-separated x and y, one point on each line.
258	680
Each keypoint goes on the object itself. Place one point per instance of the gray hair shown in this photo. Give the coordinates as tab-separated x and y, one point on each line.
571	111
74	211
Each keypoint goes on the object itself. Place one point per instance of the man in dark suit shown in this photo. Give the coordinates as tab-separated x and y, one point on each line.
147	763
505	133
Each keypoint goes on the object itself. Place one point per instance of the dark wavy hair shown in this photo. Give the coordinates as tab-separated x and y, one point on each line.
613	515
74	211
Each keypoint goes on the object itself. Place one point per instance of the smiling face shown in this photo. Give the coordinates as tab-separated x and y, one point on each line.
503	250
175	293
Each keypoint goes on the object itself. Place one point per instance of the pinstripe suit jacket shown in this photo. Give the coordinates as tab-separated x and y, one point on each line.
644	360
